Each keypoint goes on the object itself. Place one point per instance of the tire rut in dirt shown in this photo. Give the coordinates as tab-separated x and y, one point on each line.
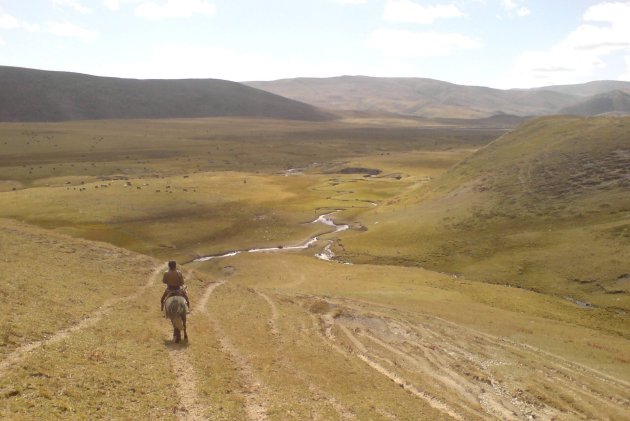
87	322
475	375
285	364
190	408
252	389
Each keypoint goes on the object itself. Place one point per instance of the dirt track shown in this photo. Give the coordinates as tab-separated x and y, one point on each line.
252	389
22	352
190	408
460	373
470	375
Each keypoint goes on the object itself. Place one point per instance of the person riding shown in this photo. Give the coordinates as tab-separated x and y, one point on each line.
174	281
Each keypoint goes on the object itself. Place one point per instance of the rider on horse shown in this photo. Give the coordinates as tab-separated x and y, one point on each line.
174	281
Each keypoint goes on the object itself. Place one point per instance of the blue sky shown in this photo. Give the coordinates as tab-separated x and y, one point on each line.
496	43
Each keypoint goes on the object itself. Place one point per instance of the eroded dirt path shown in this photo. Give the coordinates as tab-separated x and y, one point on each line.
190	408
327	323
319	394
89	321
252	388
468	374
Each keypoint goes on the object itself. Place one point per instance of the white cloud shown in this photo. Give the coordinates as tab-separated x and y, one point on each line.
515	7
175	9
2	42
8	21
73	4
177	61
523	11
616	13
626	75
397	11
350	1
70	30
407	44
115	5
112	4
61	29
580	54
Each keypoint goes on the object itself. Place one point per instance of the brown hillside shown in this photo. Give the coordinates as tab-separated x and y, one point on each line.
432	98
37	95
415	96
615	102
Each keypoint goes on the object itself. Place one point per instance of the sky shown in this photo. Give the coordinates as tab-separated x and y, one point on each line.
496	43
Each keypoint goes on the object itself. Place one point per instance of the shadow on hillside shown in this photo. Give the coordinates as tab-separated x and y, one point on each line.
170	344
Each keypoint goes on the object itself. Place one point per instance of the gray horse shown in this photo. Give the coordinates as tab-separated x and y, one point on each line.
175	309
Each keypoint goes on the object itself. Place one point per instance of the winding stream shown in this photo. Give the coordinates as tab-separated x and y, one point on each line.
326	254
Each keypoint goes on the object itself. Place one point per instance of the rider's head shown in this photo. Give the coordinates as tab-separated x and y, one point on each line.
172	264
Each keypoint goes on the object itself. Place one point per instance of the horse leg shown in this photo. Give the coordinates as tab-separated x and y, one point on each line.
176	333
184	320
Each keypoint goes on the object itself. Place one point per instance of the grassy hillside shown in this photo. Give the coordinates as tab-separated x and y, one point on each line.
428	97
545	207
37	95
287	337
74	330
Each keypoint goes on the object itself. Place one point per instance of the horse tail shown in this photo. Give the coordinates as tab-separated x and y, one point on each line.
177	321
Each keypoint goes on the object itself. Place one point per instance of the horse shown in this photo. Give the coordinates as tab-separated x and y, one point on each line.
175	309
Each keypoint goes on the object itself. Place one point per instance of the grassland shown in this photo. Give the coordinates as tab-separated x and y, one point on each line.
544	208
189	187
91	210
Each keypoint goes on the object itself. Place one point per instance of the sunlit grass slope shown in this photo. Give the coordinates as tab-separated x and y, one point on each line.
52	284
545	207
83	337
457	348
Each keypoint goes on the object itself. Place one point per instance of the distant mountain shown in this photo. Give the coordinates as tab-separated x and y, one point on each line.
432	98
590	88
614	102
38	95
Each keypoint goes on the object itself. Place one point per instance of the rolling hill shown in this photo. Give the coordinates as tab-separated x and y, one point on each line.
596	87
432	98
614	102
544	207
37	95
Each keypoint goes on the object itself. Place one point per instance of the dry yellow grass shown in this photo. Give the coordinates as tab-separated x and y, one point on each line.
461	348
72	343
50	280
277	335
